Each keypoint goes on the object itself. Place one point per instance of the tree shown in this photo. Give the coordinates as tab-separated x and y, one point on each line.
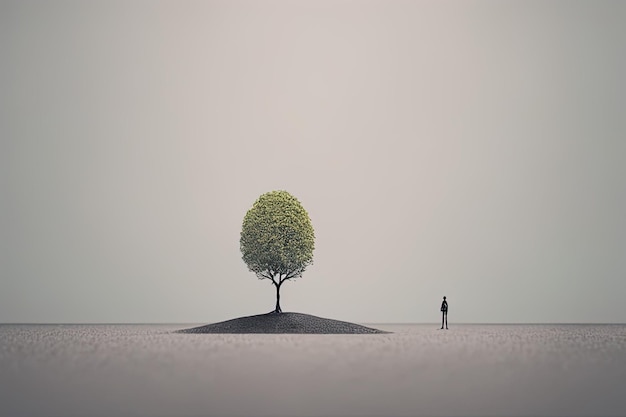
277	239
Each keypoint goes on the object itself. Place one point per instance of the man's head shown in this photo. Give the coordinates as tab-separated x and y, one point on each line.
444	297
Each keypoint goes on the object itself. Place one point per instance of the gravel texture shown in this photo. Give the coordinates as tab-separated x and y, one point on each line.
283	323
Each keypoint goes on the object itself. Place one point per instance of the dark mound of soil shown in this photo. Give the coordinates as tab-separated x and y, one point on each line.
283	323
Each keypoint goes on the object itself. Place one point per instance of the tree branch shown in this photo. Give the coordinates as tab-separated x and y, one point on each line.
263	275
293	274
274	280
290	275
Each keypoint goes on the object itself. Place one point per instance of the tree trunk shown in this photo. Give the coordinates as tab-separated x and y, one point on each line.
278	309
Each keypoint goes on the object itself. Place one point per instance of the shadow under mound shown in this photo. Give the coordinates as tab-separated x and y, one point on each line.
283	323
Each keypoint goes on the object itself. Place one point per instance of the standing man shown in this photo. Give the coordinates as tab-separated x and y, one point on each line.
444	312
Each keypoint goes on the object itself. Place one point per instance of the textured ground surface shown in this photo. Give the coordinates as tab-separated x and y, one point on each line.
283	323
105	370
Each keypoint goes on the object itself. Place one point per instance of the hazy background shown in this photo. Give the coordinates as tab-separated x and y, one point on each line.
468	149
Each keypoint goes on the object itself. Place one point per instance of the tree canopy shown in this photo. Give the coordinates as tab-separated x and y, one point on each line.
277	239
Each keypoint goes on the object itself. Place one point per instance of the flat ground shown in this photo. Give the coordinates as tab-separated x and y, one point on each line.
418	371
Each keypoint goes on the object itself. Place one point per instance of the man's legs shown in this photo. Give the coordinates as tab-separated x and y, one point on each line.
443	316
446	315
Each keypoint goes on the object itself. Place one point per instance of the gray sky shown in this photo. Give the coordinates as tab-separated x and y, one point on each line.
469	149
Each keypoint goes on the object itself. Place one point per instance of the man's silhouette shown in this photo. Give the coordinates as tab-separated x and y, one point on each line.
444	312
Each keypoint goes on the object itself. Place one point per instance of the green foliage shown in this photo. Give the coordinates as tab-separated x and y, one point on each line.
277	238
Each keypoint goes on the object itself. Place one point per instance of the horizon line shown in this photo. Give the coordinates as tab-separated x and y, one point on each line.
368	323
